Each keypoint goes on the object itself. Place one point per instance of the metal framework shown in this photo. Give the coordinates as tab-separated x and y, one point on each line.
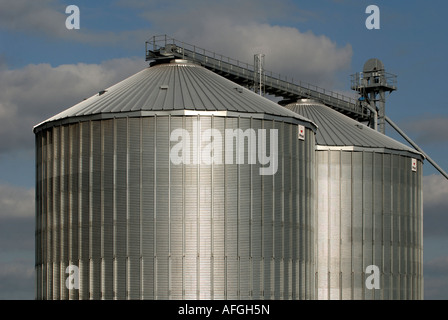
371	84
165	47
259	73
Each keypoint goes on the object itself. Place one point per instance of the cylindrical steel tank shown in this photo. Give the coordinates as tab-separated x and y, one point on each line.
368	210
175	184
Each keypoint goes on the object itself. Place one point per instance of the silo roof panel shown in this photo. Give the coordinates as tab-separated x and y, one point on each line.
336	129
175	86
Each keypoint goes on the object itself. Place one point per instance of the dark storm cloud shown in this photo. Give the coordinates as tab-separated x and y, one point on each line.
435	206
16	242
17	279
436	278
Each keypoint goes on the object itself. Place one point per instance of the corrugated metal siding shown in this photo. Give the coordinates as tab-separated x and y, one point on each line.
139	227
368	213
368	208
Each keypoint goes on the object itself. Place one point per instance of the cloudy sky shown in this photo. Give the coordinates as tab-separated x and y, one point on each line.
46	68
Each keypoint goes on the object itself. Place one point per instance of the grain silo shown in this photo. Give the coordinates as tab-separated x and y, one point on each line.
368	210
175	184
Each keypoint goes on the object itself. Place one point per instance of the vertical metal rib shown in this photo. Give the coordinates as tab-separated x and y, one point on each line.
138	226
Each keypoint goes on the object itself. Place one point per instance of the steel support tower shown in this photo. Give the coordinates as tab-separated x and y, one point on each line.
372	85
259	73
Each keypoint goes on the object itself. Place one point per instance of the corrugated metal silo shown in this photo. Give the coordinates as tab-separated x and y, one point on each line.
368	210
141	220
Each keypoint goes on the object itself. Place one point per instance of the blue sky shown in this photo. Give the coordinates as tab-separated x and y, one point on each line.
45	68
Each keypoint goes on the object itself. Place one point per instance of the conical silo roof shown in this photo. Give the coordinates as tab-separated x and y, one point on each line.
179	87
338	130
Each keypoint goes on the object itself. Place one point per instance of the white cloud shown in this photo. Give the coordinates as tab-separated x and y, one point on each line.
302	56
236	29
16	202
240	29
436	190
35	92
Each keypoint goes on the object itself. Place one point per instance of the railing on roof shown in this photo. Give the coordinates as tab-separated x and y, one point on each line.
274	83
381	78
